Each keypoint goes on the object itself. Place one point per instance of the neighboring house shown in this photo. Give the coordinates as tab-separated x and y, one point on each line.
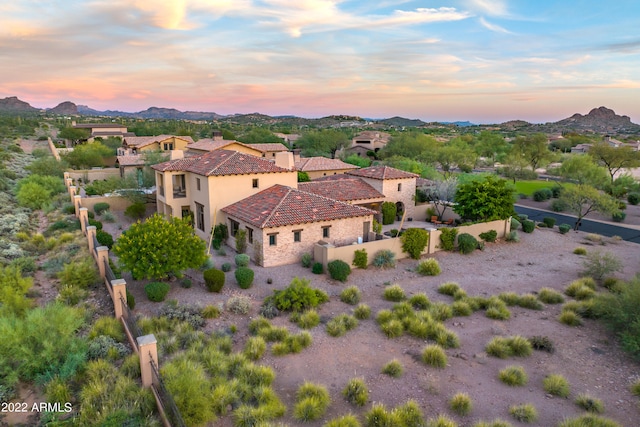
581	148
397	186
132	145
282	223
103	130
366	141
269	150
199	186
346	189
317	167
289	138
212	144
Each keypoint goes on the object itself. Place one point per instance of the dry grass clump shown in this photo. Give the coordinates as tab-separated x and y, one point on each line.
550	296
435	356
461	404
590	404
556	385
514	376
393	369
525	413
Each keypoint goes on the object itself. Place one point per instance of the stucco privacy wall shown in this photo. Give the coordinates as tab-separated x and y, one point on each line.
326	252
90	175
115	203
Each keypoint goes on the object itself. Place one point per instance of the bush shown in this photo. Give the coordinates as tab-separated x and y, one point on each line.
350	295
100	207
108	326
542	194
580	251
186	283
312	400
242	260
254	348
550	296
621	313
588	420
435	356
513	237
590	404
467	243
599	265
489	236
356	392
210	312
157	291
104	346
564	228
306	260
449	288
136	210
618	216
308	320
226	267
104	238
542	343
241	241
513	376
394	293
414	240
213	279
339	270
429	267
526	413
360	259
131	300
349	420
298	296
393	368
96	224
633	198
362	312
107	216
528	226
420	301
448	238
389	211
244	277
549	222
239	304
556	385
570	318
515	224
317	268
461	404
384	259
79	274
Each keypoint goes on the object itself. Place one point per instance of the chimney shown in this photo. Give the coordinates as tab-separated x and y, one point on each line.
217	135
284	159
73	123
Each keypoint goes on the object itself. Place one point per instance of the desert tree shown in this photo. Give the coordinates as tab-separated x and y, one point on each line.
442	194
484	199
614	158
583	199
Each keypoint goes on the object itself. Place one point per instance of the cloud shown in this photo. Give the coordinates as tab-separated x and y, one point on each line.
493	27
489	7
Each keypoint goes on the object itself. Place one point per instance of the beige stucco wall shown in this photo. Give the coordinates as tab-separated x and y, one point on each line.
389	187
233	147
115	203
320	174
90	175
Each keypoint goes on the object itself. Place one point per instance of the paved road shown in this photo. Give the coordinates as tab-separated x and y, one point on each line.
604	228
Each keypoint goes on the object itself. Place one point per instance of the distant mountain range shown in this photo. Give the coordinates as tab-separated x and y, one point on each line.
601	120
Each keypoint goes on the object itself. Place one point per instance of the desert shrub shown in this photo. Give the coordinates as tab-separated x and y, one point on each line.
467	243
350	295
513	376
306	259
525	413
581	289
429	267
241	241
441	421
549	222
348	420
213	279
635	388
108	216
108	326
556	385
339	270
408	415
599	264
389	211
356	392
226	267
520	346
392	328
550	296
394	293
448	238
618	216
79	274
588	420
589	403
131	300
564	228
362	312
360	259
242	260
104	238
103	347
71	295
621	313
499	347
461	308
340	324
461	403
210	312
420	301
312	400
434	355
186	283
489	236
100	207
495	423
317	268
136	210
414	240
529	301
542	343
515	224
449	288
580	251
509	298
528	226
633	198
298	296
384	259
393	368
239	304
308	319
497	309
570	318
513	237
254	348
244	277
190	314
542	194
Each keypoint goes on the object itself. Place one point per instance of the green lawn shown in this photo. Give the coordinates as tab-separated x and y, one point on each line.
528	187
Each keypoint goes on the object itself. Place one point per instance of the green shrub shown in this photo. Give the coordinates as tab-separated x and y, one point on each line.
103	347
489	236
618	216
104	238
378	416
211	312
156	291
448	238
136	210
542	343
429	267
108	326
515	224
393	368
107	216
360	259
350	295
312	400
414	240
442	421
339	270
588	420
525	413
340	324
461	403
356	392
434	355
513	237
244	277
317	268
392	328
556	385
558	205
384	259
499	347
408	415
635	388
131	300
242	260
550	296
590	404
306	260
308	319
71	295
621	313
564	228
580	251
420	301
549	222
570	318
599	264
389	211
528	226
186	283
461	308
239	304
581	289
100	207
298	296
633	198
394	293
79	274
213	279
529	301
542	194
495	423
449	288
497	309
362	312
348	420
513	376
226	267
254	348
467	243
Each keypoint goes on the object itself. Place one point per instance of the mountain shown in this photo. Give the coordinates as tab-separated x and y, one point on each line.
401	121
66	108
12	104
600	119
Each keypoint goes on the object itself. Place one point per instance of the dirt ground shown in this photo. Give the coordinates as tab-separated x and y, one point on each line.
587	356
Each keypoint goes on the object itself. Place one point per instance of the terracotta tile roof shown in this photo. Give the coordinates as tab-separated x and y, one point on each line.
382	172
346	190
209	144
280	205
335	177
219	163
269	146
131	160
310	164
143	141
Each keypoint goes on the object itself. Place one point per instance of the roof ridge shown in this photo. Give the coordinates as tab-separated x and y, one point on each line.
221	153
275	208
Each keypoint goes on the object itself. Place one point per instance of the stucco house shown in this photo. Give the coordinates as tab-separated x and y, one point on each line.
317	167
348	189
368	140
282	223
269	150
103	130
132	145
200	186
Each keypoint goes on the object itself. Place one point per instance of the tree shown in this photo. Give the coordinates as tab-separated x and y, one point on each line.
48	165
36	191
412	145
533	148
86	156
322	142
516	165
582	199
442	194
455	153
583	170
614	158
354	159
491	145
259	135
485	199
303	177
156	247
74	135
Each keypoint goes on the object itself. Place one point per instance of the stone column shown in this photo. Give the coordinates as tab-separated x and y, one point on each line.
84	219
103	256
72	191
77	202
148	350
91	232
119	291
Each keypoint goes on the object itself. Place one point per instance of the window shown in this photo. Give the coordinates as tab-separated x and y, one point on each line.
198	184
254	183
168	147
273	239
325	232
200	216
297	235
249	235
179	186
399	187
235	226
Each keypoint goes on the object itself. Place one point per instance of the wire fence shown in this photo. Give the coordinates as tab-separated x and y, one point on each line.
168	404
130	321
